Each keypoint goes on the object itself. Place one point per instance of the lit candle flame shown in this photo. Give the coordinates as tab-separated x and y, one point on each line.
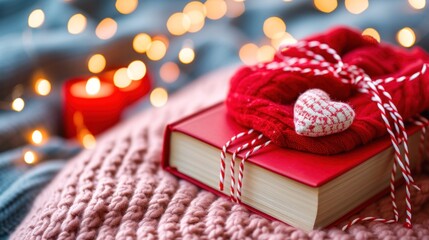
93	86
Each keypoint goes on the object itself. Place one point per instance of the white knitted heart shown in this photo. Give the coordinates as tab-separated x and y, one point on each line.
316	115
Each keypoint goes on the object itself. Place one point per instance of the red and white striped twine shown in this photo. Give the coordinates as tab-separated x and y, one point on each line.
349	74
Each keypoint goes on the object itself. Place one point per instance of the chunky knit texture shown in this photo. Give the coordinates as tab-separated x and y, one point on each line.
118	190
262	97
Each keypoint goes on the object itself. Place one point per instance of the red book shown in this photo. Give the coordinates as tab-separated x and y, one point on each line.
304	190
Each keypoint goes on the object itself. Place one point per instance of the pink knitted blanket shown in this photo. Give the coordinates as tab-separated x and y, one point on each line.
119	191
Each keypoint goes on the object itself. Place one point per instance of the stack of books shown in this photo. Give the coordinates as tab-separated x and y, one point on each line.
304	190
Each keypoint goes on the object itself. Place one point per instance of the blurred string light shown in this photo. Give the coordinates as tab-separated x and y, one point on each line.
326	6
158	97
356	6
196	11
406	37
141	42
216	9
248	54
42	87
30	157
121	79
169	72
417	4
157	50
265	53
87	140
186	55
76	24
36	18
126	6
373	33
18	104
178	23
106	28
92	86
195	6
283	39
235	8
37	137
273	27
136	70
96	63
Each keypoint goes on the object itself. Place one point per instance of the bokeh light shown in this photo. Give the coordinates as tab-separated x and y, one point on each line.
126	6
235	8
121	79
417	4
197	19
195	6
186	55
216	9
178	23
273	27
326	6
88	140
93	86
30	157
36	18
156	50
77	24
158	97
248	54
283	39
141	42
18	104
265	53
373	33
106	29
406	37
96	63
136	70
356	6
42	87
37	137
169	72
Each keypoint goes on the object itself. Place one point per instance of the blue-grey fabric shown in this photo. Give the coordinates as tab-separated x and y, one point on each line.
60	55
20	183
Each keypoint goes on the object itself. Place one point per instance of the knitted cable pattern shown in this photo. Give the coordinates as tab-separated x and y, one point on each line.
119	191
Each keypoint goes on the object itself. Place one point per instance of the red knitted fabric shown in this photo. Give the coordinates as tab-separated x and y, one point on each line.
263	99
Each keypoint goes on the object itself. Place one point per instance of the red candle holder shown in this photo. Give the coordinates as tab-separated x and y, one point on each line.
90	112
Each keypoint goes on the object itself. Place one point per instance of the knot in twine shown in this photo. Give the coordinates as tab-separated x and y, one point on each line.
375	79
